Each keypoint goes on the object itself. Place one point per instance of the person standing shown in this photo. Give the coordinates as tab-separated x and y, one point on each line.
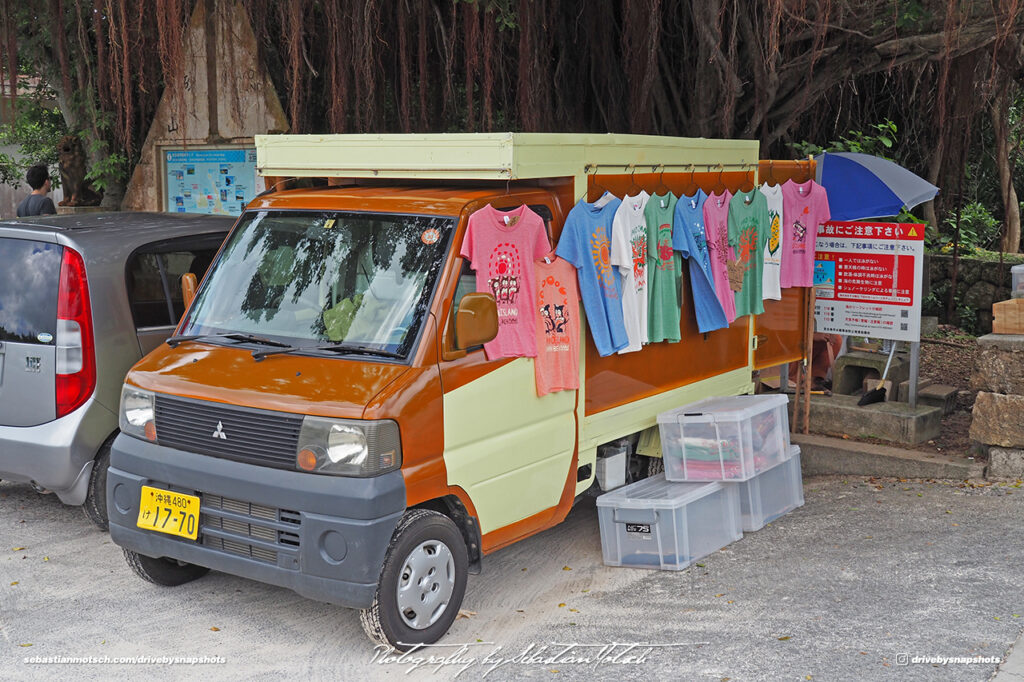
37	203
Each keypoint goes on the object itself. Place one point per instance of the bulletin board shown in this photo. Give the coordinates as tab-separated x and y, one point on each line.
218	181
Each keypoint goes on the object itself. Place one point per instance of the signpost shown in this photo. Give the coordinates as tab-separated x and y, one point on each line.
867	280
205	180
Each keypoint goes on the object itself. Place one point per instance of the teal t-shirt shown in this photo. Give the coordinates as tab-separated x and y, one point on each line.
664	270
748	232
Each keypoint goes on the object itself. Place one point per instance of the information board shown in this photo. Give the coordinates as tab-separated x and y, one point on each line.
220	181
867	279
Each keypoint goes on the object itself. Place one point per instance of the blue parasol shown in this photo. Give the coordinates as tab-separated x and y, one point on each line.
862	186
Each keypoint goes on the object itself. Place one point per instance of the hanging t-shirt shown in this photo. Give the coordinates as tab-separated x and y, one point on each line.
690	240
502	246
629	255
775	243
748	231
804	210
664	270
557	367
716	226
586	243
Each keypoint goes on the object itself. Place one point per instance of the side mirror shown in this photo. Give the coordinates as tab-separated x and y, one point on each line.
188	288
476	321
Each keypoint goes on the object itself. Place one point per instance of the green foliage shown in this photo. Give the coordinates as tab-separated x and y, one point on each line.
878	139
978	228
109	169
35	129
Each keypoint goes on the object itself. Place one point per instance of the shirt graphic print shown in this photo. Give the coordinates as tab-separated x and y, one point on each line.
502	247
558	326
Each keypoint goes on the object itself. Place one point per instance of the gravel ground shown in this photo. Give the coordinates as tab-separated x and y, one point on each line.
839	589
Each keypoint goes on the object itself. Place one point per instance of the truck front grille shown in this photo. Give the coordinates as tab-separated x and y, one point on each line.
250	530
241	434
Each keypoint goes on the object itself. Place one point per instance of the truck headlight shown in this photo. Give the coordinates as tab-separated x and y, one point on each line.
348	447
137	414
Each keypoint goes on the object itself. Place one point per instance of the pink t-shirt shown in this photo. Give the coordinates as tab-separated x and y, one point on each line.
502	246
557	367
804	210
716	229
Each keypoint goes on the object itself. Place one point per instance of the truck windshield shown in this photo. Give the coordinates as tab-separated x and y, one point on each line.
310	278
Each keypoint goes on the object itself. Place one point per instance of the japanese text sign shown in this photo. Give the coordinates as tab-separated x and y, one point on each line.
867	279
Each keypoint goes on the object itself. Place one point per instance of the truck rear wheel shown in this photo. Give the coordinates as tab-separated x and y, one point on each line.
422	583
165	572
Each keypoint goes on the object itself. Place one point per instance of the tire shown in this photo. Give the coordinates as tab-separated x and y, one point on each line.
95	505
432	541
164	572
655	466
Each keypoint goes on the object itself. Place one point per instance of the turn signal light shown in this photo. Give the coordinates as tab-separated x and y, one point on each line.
306	460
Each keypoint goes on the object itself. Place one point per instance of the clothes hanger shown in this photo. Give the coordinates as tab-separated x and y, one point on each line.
771	174
720	187
748	179
692	188
661	182
634	188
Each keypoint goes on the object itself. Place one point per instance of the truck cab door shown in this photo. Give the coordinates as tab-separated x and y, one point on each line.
510	450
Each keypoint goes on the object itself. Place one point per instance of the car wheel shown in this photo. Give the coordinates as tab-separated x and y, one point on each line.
422	583
163	571
655	466
95	505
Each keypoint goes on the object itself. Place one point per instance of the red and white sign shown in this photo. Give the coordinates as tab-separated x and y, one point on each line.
867	279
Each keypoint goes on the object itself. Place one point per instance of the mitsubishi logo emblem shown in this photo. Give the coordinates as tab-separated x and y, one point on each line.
219	432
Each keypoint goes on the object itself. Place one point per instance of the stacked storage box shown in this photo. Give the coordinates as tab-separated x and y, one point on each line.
729	467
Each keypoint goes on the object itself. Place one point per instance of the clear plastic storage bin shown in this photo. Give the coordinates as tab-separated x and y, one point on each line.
656	523
772	493
724	439
1017	277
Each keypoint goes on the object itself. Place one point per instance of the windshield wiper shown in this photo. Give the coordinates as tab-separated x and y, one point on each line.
237	336
344	348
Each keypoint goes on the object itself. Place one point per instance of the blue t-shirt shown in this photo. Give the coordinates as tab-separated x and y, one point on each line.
689	238
586	243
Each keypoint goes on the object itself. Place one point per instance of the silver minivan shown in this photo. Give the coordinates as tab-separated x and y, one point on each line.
82	299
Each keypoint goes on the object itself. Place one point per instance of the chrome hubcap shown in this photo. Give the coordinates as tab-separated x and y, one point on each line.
426	584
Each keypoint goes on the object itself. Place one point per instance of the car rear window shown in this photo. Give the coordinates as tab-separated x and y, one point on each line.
29	279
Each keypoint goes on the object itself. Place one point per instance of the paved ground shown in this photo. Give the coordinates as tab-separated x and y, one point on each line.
853	586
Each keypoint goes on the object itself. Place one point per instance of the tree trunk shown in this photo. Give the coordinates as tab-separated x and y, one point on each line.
1011	209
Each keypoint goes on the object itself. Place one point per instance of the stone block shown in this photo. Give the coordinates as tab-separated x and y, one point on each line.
1005	464
896	422
998	419
999	367
940	396
929	325
903	390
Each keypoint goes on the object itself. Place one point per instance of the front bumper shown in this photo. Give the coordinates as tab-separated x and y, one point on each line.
57	455
324	537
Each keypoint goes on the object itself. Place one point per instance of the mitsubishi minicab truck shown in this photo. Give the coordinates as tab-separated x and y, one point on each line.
325	417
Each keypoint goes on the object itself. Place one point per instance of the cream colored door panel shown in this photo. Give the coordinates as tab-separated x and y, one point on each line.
507	448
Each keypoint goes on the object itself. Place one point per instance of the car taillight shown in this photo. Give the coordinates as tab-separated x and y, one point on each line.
76	359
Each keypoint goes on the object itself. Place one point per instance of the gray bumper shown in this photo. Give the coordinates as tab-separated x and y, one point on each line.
324	537
57	455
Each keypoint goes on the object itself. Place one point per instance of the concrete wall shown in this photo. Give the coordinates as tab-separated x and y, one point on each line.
224	100
979	284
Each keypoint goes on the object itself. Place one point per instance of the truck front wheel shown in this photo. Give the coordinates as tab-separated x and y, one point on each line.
165	572
422	582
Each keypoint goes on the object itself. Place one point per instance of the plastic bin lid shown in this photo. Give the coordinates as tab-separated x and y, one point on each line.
657	493
1019	267
734	406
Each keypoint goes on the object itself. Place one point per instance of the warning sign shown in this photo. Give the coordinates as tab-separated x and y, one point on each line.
867	279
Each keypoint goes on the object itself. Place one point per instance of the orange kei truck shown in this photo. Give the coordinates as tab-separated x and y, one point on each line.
325	418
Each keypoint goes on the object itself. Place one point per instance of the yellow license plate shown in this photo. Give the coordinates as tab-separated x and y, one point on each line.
168	512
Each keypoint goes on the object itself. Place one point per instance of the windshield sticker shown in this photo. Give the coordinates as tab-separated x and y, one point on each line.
329	223
430	236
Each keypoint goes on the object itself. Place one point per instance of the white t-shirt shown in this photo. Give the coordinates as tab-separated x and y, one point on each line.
629	254
773	245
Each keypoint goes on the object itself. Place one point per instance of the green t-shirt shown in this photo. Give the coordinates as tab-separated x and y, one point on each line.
664	270
748	231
